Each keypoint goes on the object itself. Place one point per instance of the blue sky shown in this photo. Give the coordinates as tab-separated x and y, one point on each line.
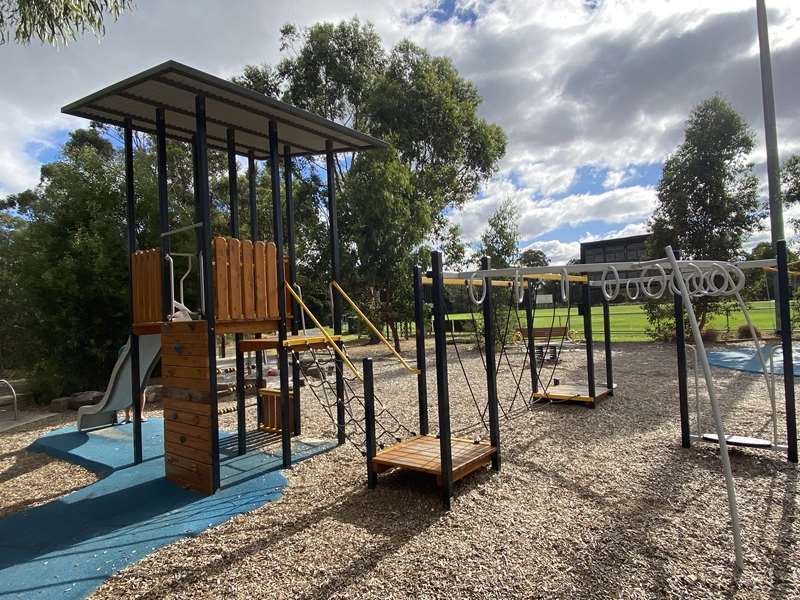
593	95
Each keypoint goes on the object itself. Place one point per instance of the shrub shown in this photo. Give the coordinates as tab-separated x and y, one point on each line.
743	332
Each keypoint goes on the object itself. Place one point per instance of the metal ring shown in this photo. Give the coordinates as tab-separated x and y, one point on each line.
628	289
471	290
604	287
662	278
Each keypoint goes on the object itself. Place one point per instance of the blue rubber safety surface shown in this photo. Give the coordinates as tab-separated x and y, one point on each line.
70	546
745	359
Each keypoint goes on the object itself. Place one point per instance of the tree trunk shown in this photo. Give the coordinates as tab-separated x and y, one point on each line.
393	325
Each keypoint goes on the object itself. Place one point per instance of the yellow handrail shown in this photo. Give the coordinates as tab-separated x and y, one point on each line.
325	334
374	329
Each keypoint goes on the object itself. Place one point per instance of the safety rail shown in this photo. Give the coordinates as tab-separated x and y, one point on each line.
354	306
331	342
13	396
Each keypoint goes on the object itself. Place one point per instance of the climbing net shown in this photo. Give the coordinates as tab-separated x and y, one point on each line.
321	375
507	355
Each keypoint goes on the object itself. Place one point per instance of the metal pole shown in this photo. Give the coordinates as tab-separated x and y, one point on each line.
530	300
233	192
136	390
607	343
422	381
786	345
715	410
336	274
491	374
204	208
253	196
442	391
683	380
283	358
587	334
771	139
290	227
369	416
163	210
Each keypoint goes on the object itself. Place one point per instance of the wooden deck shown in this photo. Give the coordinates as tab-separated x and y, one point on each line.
296	341
421	453
573	393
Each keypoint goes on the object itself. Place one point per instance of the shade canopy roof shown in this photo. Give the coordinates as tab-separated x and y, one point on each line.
174	86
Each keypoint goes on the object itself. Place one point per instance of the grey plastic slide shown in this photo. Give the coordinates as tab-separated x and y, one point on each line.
118	392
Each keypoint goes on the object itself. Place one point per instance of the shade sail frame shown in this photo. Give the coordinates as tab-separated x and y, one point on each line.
173	86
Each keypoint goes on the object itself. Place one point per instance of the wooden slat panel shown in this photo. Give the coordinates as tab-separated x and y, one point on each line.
189	473
235	279
187	418
178	428
184	360
201	385
154	305
196	454
261	279
221	278
200	408
185	371
272	281
248	281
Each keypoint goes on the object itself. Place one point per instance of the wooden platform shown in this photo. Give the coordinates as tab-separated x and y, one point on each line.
573	393
295	341
738	440
421	453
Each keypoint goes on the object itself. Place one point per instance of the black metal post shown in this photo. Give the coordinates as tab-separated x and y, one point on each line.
786	345
163	211
529	304
287	184
442	390
422	381
587	334
253	196
204	199
283	356
607	343
233	192
369	417
683	380
136	387
336	275
491	373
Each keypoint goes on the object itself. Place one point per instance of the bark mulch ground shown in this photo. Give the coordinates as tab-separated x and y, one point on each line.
599	503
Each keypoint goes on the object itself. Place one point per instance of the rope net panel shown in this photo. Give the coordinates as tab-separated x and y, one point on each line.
320	375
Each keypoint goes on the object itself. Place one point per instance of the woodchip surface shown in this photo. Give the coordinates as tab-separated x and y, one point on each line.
599	503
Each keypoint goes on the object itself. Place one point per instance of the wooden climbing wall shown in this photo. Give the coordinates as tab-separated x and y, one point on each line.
188	456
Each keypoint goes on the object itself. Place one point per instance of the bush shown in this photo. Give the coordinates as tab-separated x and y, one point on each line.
710	336
743	332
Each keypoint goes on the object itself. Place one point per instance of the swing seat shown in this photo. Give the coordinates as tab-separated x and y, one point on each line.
738	440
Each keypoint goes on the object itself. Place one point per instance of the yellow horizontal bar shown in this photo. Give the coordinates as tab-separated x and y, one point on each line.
507	283
775	270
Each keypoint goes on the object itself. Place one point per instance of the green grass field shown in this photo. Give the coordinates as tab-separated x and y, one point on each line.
628	321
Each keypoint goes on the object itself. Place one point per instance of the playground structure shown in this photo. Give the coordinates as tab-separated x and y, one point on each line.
246	286
685	280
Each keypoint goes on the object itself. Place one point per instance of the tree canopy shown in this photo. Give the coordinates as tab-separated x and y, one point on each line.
707	199
440	151
56	22
533	257
500	239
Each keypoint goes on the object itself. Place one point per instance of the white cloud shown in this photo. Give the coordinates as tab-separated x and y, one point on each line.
572	87
539	217
557	251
